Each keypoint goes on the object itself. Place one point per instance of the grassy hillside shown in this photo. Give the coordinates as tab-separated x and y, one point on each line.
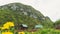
23	14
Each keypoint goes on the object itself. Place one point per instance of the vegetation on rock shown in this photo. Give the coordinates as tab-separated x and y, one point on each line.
23	14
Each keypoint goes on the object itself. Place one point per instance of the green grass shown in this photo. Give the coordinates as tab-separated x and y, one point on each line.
46	31
43	31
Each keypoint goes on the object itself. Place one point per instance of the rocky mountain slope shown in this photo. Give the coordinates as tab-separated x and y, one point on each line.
23	14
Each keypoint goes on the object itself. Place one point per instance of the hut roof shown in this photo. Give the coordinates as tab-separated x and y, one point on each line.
38	26
24	25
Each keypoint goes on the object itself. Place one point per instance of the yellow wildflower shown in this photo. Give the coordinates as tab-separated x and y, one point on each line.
7	32
32	32
21	32
7	25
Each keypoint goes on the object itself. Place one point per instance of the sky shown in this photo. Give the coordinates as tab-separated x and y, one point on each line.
50	8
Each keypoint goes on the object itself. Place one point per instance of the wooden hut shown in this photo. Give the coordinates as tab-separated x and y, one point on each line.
23	27
57	26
